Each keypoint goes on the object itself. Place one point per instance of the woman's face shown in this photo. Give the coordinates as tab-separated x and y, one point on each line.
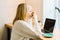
29	10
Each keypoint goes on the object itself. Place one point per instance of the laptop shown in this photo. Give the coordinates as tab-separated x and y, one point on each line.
48	27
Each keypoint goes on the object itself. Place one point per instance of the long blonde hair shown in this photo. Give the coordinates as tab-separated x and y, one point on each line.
21	12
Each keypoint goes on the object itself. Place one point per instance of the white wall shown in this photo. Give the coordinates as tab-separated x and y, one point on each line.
7	12
58	14
48	9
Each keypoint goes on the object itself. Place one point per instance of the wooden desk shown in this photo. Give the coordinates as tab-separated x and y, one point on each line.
56	33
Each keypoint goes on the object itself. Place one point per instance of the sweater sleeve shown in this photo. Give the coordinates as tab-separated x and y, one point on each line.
36	25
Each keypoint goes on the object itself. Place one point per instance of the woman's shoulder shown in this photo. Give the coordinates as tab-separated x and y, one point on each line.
20	21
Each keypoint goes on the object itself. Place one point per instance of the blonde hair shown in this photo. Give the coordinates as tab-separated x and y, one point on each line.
21	12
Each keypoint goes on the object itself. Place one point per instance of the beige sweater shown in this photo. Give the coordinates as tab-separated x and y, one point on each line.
24	31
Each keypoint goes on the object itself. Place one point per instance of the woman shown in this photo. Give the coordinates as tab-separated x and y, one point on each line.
25	13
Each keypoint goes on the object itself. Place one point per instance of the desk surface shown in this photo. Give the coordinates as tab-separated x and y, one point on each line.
56	33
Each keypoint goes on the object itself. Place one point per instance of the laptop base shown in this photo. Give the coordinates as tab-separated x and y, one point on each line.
48	35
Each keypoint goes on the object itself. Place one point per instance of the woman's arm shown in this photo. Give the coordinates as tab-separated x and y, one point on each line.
34	19
36	24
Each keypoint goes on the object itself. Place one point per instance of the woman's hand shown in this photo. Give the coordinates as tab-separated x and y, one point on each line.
32	14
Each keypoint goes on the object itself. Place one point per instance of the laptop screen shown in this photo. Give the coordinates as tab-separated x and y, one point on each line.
49	25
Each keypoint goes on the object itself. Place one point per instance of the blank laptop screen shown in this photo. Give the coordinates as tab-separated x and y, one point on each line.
49	25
